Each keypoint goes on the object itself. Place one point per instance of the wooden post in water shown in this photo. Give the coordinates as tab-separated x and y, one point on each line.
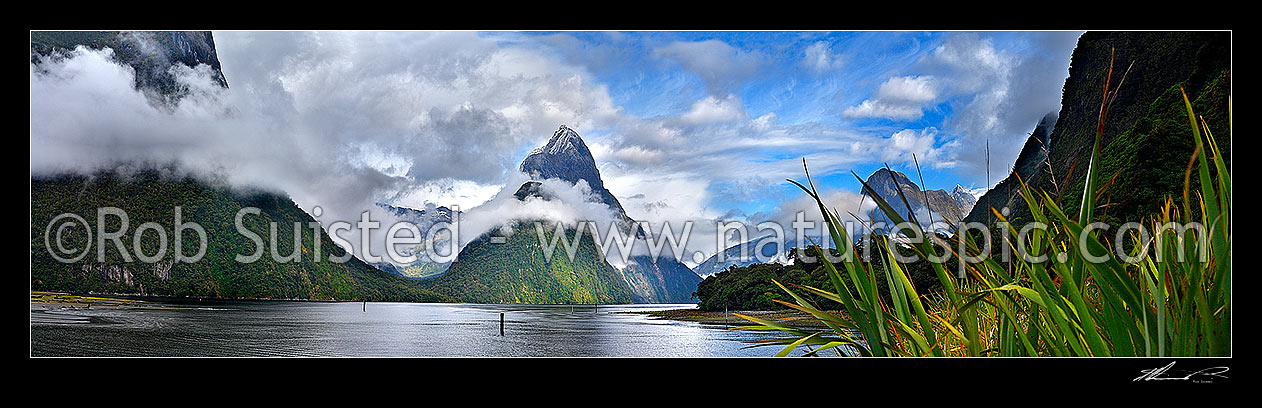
501	323
365	305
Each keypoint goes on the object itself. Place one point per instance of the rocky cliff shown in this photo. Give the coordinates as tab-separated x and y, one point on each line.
1146	141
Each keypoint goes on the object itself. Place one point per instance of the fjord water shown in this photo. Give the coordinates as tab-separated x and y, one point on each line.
379	329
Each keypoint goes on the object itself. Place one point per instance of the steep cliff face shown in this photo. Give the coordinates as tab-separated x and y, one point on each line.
153	194
890	184
940	204
567	157
964	198
1031	161
1036	147
150	53
1146	142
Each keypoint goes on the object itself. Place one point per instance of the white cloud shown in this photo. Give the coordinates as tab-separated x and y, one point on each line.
973	62
910	89
991	94
819	58
447	192
879	109
997	95
569	204
913	141
344	119
711	110
977	192
673	199
719	64
847	204
632	154
898	98
765	122
339	120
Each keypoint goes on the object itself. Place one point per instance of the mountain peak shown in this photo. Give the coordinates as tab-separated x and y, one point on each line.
564	141
884	175
566	157
888	184
964	198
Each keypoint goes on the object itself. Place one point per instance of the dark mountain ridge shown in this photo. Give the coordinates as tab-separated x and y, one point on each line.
940	204
1146	141
150	53
152	193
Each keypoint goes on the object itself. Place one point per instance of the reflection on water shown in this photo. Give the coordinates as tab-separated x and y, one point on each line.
384	329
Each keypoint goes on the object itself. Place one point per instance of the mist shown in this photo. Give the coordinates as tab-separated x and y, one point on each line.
340	121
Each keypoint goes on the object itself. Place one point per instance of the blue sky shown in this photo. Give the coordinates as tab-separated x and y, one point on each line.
685	126
952	90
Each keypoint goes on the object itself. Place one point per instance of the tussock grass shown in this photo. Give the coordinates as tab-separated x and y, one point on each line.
1160	305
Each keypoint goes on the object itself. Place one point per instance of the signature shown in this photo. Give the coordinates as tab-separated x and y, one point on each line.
1165	373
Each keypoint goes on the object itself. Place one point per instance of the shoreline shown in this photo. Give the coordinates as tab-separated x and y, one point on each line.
799	319
48	301
46	296
69	298
49	296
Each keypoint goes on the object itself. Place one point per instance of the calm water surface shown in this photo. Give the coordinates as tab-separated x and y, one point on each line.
385	329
